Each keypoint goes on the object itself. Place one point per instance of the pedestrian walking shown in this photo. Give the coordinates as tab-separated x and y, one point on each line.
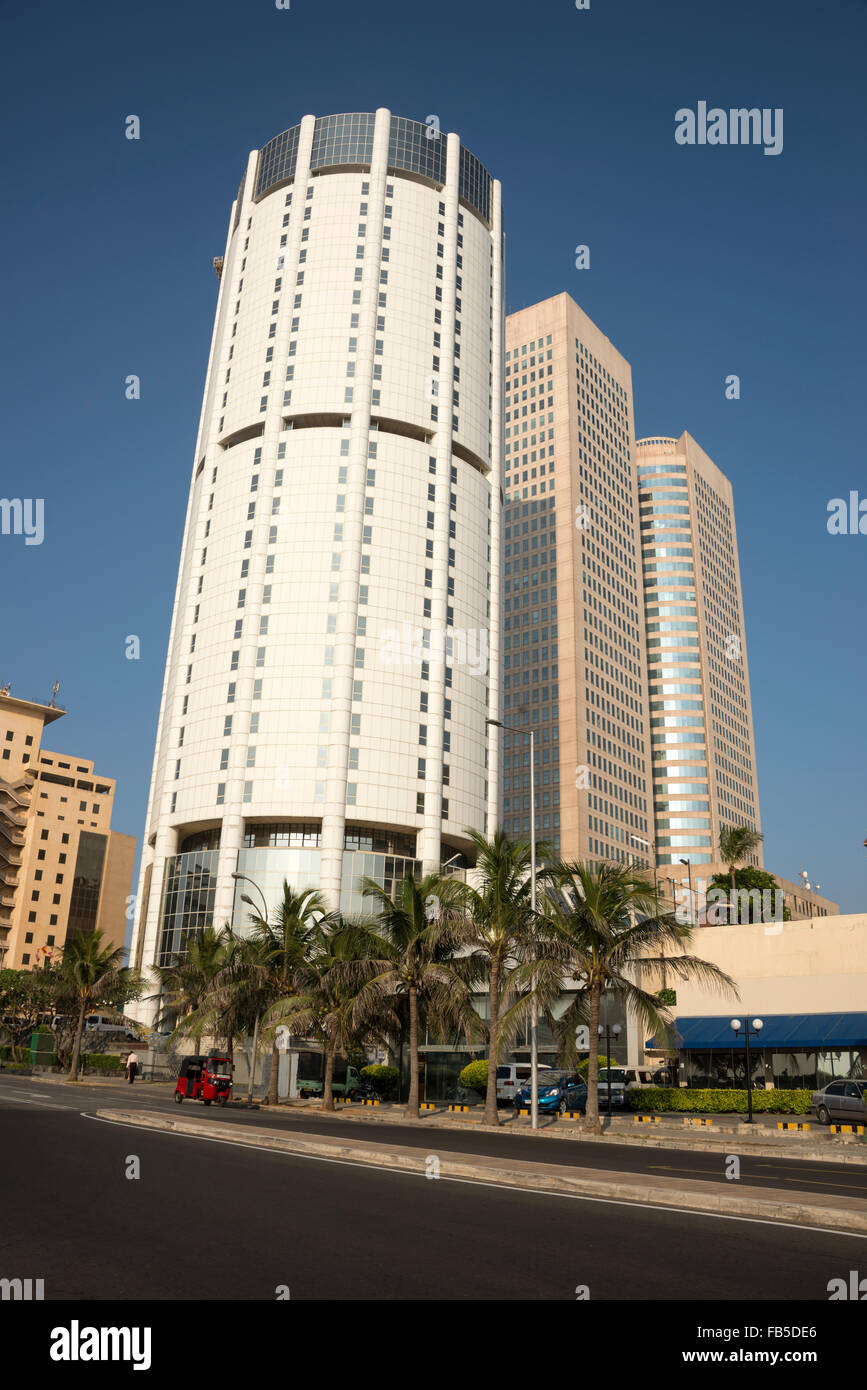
131	1067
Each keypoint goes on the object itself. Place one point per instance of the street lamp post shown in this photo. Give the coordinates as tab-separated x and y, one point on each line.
616	1030
245	898
688	863
534	1006
757	1026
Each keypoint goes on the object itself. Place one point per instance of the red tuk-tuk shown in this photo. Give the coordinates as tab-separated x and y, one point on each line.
205	1078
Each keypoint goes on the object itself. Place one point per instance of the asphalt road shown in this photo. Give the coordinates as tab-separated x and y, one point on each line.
788	1173
218	1221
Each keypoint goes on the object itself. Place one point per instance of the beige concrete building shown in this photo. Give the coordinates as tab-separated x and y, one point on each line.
701	723
62	868
573	621
806	980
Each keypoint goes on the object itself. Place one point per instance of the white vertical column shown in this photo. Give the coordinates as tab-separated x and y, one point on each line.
232	837
429	841
496	484
344	673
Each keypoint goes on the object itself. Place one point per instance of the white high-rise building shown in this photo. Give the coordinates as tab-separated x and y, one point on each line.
334	646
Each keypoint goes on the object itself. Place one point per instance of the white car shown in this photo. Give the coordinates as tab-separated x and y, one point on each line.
511	1076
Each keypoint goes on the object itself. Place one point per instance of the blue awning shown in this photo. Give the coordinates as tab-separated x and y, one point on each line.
783	1032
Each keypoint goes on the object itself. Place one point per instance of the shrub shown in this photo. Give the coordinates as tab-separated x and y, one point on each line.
584	1067
474	1076
719	1102
383	1079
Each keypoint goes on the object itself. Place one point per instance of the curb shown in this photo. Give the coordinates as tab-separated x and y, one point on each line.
712	1141
702	1197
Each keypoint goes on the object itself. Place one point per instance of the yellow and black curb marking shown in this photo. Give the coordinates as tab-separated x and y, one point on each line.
846	1129
571	1115
459	1107
647	1119
696	1120
427	1105
370	1102
789	1124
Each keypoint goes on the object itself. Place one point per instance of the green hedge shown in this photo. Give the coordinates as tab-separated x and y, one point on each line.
719	1102
102	1061
91	1061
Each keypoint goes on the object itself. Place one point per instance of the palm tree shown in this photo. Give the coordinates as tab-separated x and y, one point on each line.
186	983
92	975
735	846
411	956
234	998
504	941
324	1005
283	945
609	920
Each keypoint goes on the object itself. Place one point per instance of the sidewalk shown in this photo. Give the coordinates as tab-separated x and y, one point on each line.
830	1212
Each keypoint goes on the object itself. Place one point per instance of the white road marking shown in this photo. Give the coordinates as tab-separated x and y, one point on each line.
495	1186
40	1104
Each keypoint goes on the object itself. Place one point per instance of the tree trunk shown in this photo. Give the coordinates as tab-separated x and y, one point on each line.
275	1065
491	1115
733	905
591	1114
328	1083
412	1103
76	1047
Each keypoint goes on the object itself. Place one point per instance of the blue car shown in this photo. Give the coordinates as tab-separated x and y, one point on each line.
558	1091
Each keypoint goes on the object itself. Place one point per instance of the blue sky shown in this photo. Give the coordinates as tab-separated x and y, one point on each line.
705	261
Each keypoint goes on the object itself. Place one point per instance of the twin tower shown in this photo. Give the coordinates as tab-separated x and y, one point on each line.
381	470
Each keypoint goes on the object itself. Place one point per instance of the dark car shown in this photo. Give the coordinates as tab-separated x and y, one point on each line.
842	1101
558	1090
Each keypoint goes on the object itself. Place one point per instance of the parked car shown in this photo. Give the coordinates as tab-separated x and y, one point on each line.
840	1100
645	1076
558	1090
510	1078
619	1078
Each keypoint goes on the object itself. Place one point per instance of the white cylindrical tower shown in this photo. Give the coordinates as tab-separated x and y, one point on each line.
328	675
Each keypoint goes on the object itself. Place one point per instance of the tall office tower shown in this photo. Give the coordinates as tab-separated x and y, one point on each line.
704	763
573	625
63	870
334	646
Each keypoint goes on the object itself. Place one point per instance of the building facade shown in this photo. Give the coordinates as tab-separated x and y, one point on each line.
573	620
63	870
701	722
806	980
676	882
334	648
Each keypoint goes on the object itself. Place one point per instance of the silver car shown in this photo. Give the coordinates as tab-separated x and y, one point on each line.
840	1100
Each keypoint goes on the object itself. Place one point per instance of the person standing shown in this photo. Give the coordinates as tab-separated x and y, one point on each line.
131	1067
